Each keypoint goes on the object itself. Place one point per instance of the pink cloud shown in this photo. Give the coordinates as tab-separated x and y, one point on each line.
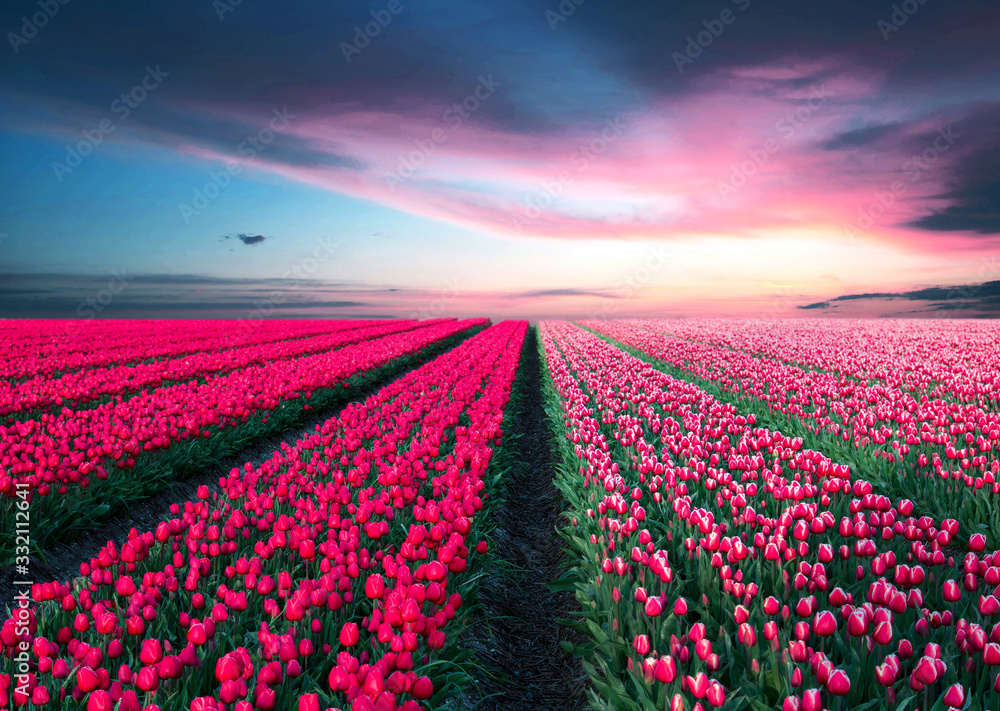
740	159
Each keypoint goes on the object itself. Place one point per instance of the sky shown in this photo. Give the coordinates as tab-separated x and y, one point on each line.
510	159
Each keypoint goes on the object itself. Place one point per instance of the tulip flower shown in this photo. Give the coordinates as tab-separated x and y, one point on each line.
811	700
839	684
824	624
955	696
665	670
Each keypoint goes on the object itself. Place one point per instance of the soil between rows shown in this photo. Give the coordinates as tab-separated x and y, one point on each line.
518	633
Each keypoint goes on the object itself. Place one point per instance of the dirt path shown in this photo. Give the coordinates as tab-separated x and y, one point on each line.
520	635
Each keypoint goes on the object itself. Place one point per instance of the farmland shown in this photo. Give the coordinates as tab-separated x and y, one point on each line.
630	515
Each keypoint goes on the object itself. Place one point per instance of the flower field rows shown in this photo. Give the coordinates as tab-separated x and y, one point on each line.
80	463
332	575
85	385
940	452
751	522
942	359
720	563
58	346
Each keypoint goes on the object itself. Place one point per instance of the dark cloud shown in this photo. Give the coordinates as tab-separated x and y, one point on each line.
936	43
263	56
975	203
250	239
973	177
970	297
860	137
64	295
565	292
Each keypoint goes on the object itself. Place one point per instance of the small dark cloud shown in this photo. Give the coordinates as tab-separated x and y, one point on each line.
860	137
247	239
564	292
817	305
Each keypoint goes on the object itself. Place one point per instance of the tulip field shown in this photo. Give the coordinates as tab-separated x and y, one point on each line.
756	515
723	562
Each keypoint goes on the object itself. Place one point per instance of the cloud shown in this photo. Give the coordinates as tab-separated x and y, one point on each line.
565	292
358	121
250	239
860	137
972	178
976	299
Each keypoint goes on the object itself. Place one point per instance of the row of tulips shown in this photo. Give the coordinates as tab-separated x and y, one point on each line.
949	359
78	464
89	384
51	346
329	577
936	451
720	563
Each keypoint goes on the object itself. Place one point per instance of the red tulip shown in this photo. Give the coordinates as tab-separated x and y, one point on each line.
148	679
811	700
423	688
955	695
100	700
152	651
374	587
665	670
925	672
839	684
716	694
309	702
227	669
88	679
824	624
349	634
